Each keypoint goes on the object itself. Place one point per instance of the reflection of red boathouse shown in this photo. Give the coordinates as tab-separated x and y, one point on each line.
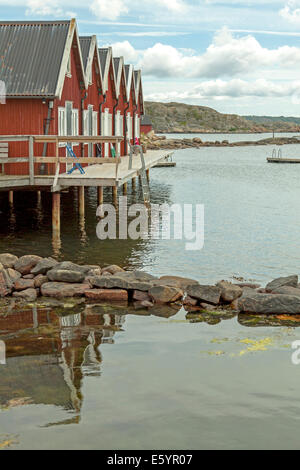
49	355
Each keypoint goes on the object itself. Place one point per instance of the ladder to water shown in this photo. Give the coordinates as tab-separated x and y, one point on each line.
143	172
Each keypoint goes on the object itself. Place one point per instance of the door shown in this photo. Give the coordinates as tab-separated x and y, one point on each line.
90	130
69	129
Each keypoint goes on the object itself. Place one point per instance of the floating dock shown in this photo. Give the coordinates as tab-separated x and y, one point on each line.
283	160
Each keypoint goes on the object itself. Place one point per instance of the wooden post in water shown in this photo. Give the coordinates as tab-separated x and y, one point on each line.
133	184
125	187
39	197
81	202
11	197
115	195
148	174
56	213
100	195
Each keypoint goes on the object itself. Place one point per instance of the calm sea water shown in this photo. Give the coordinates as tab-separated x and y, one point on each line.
116	377
232	137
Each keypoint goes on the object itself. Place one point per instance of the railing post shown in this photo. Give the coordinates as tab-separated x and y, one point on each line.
31	162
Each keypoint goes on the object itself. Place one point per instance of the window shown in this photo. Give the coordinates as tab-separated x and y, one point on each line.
95	123
129	127
137	126
75	122
61	121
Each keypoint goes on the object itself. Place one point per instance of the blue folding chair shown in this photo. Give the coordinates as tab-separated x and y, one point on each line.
77	165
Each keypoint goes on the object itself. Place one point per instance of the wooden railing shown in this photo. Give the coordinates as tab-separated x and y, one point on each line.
57	160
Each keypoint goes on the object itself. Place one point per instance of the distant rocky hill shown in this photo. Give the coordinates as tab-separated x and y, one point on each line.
183	118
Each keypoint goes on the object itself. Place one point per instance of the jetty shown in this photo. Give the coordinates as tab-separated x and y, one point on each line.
52	173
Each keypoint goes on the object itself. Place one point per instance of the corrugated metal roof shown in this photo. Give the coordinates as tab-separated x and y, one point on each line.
103	58
85	44
30	56
127	69
117	64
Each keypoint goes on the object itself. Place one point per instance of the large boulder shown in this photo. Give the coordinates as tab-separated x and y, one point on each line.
137	276
287	290
165	294
13	274
44	266
59	290
30	295
23	284
113	269
141	296
26	263
207	294
176	281
39	280
69	266
128	282
111	295
270	304
8	260
291	281
229	291
6	284
65	275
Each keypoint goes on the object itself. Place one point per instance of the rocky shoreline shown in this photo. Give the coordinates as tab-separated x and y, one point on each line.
30	277
155	142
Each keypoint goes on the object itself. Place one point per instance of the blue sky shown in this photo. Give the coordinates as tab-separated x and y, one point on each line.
232	55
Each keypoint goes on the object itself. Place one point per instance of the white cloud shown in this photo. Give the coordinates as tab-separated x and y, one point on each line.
109	9
236	88
291	11
43	8
227	56
126	50
145	34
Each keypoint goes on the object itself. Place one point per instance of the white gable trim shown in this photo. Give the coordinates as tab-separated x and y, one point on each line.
64	64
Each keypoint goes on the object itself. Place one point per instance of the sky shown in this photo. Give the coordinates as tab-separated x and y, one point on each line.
236	56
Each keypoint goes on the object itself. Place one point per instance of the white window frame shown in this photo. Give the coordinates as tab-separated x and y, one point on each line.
75	122
95	123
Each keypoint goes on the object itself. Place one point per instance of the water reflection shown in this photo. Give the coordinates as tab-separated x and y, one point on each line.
49	354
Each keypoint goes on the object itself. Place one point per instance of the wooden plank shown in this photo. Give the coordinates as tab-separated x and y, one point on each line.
78	139
13	160
31	162
14	138
94	160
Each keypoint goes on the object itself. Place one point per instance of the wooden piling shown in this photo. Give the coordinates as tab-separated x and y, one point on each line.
148	174
11	197
81	201
115	195
39	197
100	195
125	187
133	184
56	213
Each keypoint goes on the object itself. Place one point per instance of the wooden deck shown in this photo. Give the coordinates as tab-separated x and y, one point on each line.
95	175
